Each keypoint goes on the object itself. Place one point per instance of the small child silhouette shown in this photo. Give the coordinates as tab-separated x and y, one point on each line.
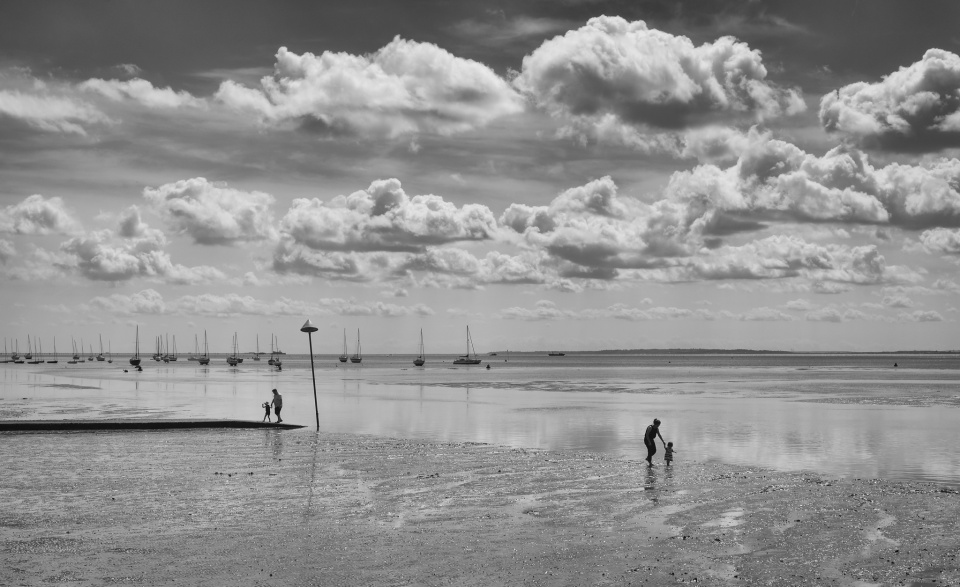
668	453
266	412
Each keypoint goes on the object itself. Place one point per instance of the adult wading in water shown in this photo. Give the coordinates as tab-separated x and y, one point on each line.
650	440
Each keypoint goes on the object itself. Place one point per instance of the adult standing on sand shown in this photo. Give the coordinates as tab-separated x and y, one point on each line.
277	403
650	440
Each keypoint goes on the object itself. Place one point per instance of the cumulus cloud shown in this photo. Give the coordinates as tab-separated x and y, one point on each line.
104	256
921	316
916	108
142	91
775	181
7	251
405	87
643	76
233	304
44	106
213	213
941	241
384	218
147	301
37	215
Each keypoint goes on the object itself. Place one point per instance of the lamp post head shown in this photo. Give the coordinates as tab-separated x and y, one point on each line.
308	327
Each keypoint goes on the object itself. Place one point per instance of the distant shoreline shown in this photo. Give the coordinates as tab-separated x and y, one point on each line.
735	352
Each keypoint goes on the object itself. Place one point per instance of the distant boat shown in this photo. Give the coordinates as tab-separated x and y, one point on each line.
196	350
135	359
173	356
277	362
54	360
109	352
256	357
343	355
157	356
357	356
76	357
420	360
556	354
15	355
233	360
39	358
471	357
100	357
273	352
29	354
204	359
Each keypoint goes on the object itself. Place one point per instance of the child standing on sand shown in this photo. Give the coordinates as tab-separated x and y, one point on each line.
266	413
668	453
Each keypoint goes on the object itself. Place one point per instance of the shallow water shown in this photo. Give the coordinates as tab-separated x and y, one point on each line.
838	415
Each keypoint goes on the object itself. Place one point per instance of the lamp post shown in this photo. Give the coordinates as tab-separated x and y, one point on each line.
309	328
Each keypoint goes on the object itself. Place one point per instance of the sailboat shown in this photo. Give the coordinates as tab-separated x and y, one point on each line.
277	362
173	356
256	357
100	357
90	357
74	360
29	354
343	355
109	352
233	360
357	356
39	358
468	359
135	359
15	355
54	360
420	360
273	358
196	350
205	358
5	351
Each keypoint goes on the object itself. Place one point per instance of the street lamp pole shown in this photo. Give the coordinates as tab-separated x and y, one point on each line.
309	328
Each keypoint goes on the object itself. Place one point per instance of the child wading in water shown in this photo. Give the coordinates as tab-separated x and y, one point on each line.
668	453
266	412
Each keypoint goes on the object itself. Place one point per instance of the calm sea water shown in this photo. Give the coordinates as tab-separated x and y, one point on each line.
833	414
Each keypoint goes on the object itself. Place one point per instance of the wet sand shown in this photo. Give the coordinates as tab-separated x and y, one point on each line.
274	507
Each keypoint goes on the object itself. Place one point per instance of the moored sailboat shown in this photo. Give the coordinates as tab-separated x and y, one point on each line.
135	359
420	360
54	359
357	356
343	355
470	358
100	356
204	359
234	359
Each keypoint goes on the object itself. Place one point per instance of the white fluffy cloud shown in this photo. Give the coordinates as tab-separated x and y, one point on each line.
37	215
916	108
773	181
148	301
213	213
384	218
942	241
405	87
142	91
49	107
105	256
649	77
7	251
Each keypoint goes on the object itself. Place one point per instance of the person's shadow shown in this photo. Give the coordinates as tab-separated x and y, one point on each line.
650	487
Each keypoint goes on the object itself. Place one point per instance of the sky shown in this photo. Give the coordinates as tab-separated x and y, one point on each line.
556	175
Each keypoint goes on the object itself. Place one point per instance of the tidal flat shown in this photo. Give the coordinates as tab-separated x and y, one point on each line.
272	507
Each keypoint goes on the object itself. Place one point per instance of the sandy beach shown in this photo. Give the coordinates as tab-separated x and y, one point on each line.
241	507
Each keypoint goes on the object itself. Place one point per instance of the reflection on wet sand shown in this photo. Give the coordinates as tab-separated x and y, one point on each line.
857	422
